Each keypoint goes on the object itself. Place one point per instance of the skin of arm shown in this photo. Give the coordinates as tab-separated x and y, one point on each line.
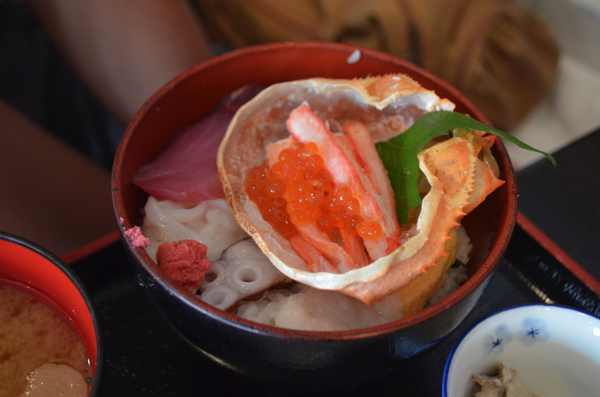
125	50
50	193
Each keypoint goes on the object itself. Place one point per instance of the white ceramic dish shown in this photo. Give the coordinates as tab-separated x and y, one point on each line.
555	351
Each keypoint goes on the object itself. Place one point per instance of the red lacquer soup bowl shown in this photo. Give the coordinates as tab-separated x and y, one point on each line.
27	267
317	360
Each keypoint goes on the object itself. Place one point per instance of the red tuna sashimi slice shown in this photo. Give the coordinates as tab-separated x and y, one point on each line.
186	171
306	126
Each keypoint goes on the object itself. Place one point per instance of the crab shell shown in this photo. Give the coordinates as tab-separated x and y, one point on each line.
387	105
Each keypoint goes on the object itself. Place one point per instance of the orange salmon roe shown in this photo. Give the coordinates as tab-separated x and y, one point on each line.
298	190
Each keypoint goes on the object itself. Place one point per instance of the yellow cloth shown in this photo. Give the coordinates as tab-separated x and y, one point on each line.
500	55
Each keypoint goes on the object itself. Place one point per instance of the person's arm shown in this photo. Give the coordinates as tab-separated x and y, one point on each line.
50	193
125	50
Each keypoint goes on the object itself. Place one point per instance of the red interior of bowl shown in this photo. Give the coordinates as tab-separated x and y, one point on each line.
31	269
196	92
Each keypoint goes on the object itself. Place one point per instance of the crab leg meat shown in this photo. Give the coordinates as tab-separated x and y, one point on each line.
335	253
362	142
380	247
315	260
355	247
308	127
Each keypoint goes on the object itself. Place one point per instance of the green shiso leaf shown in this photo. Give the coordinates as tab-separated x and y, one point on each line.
399	154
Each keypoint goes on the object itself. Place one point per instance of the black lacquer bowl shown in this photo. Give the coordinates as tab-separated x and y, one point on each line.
302	360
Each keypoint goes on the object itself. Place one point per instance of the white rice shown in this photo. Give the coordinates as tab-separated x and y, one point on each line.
454	279
464	246
306	308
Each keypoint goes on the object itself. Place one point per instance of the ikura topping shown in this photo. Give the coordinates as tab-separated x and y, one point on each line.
298	190
267	191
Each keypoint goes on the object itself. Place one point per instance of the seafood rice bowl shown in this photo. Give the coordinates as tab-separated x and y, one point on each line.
269	220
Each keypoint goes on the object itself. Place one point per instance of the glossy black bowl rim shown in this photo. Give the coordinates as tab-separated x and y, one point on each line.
143	260
56	261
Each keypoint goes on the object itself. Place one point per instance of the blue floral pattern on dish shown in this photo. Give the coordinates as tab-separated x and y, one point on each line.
494	344
532	330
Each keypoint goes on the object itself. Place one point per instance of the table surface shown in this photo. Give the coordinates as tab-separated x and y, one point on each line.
564	201
145	357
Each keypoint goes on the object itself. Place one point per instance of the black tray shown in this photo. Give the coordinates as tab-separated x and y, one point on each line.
145	357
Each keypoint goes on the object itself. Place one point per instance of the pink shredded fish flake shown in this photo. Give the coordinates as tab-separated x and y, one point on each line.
138	240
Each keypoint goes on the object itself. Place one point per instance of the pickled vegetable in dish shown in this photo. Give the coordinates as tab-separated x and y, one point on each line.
504	384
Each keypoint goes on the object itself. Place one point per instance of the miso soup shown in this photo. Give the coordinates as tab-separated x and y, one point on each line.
32	333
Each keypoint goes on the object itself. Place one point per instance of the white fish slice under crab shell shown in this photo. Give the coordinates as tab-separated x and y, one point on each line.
387	105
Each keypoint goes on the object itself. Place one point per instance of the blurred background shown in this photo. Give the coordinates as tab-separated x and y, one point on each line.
78	71
572	107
